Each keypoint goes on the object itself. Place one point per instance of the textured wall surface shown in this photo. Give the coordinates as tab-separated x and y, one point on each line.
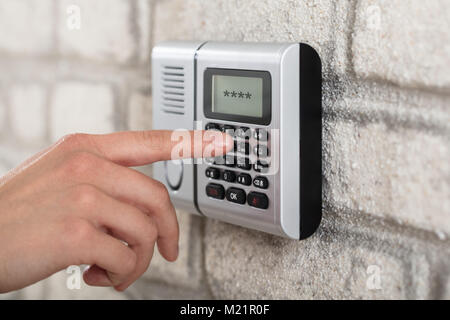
386	227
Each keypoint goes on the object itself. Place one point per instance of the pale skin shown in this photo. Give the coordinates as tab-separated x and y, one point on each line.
78	202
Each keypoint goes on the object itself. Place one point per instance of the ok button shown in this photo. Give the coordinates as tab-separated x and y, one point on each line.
236	195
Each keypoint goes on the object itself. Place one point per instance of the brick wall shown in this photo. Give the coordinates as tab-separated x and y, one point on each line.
386	136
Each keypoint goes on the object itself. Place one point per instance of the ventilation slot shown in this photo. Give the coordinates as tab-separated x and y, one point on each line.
173	94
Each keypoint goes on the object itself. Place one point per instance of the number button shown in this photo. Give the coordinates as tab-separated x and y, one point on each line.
229	129
236	195
244	163
215	191
243	133
229	176
230	160
219	160
212	126
214	160
258	200
261	182
244	179
261	135
243	147
212	173
261	151
261	166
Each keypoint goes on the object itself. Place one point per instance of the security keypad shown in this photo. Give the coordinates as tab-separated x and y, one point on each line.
232	167
267	96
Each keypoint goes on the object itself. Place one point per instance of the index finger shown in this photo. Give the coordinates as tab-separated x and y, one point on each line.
137	148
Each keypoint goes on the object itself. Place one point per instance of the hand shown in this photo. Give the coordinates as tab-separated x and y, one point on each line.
78	203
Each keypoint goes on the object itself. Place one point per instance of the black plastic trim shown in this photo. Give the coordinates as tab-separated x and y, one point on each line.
310	141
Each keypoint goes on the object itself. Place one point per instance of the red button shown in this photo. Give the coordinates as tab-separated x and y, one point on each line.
258	200
215	191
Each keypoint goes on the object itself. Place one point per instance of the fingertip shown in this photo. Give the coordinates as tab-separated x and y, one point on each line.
168	251
96	276
174	256
121	287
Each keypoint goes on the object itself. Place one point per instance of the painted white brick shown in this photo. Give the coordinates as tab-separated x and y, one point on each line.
12	153
154	290
28	113
4	168
394	173
168	14
26	26
140	112
446	291
256	20
81	107
243	264
145	35
2	115
406	42
105	34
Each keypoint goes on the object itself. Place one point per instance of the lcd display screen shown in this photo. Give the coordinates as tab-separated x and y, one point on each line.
240	96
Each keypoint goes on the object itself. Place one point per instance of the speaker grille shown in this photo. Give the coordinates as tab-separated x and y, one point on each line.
173	86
